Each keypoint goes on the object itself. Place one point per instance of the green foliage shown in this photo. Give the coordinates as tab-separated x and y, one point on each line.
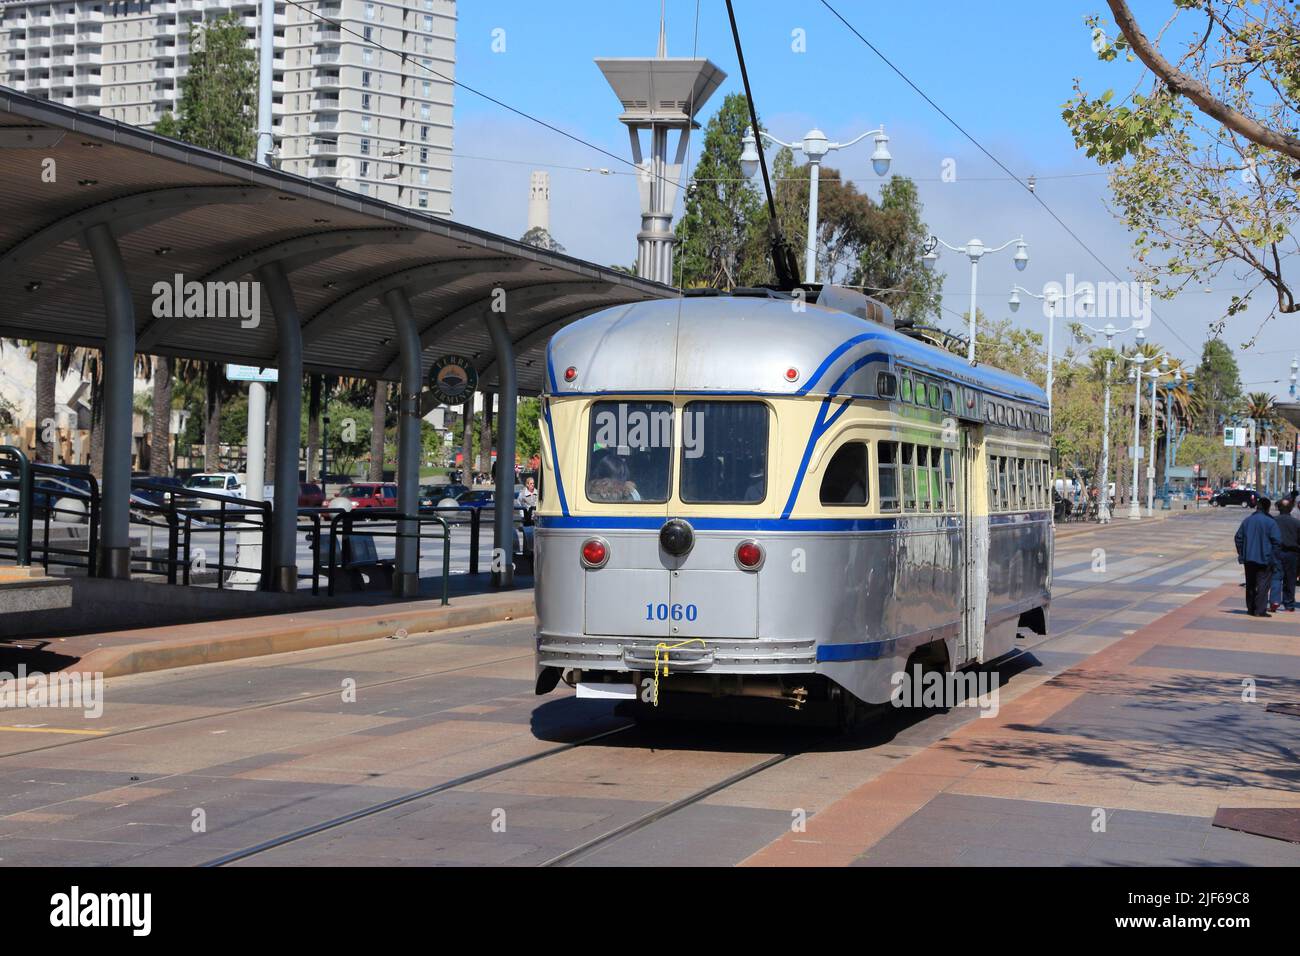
217	109
528	436
722	231
1218	386
1198	196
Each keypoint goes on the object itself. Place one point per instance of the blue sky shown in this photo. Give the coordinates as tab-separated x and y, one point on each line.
1002	70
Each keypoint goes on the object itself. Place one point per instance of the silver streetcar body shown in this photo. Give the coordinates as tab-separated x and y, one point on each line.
899	500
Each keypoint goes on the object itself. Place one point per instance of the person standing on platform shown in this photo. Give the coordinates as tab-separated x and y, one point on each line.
1257	540
1287	557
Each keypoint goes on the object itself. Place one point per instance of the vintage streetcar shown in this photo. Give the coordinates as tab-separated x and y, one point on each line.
781	498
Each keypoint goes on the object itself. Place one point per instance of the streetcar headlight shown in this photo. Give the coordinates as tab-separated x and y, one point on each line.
595	552
749	555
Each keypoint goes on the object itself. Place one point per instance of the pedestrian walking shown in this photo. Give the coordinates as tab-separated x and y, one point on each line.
1257	539
1287	558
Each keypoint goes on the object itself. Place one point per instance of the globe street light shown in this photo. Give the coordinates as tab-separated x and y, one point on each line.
1135	375
975	251
814	146
1103	507
1050	297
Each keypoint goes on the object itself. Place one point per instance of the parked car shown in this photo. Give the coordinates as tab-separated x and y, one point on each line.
482	498
432	495
1244	497
8	488
365	495
216	482
67	496
310	495
154	495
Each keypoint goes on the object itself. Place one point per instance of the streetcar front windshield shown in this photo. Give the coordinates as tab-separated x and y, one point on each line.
630	451
724	452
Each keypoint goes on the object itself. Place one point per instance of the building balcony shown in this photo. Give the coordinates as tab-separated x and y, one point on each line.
328	148
87	101
323	104
330	80
329	35
89	56
329	173
325	57
328	127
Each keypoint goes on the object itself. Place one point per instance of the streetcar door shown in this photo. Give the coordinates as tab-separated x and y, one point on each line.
974	546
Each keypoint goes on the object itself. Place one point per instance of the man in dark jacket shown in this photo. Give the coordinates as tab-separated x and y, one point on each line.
1288	555
1257	540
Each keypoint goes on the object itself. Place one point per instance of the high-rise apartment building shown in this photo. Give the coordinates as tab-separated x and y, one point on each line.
362	88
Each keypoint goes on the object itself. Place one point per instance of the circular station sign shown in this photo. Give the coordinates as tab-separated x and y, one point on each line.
452	379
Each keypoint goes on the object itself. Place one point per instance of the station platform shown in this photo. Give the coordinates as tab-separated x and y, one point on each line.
1175	745
138	650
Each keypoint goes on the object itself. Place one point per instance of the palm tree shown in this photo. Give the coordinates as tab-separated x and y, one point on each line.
47	375
379	415
1260	407
160	419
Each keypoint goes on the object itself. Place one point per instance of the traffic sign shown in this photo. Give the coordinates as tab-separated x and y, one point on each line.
251	373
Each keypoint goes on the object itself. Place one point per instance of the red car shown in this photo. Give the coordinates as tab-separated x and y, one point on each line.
310	495
366	495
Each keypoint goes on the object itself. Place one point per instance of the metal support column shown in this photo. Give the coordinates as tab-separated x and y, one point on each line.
119	378
406	580
503	537
288	425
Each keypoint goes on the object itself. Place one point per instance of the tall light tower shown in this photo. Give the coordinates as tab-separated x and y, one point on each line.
660	94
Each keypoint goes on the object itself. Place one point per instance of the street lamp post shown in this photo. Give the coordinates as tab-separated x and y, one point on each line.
814	146
1155	374
1103	507
1050	298
1139	360
975	251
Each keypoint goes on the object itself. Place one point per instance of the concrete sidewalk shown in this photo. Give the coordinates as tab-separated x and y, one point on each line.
1125	757
116	653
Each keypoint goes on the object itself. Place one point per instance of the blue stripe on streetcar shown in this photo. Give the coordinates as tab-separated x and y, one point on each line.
555	461
866	651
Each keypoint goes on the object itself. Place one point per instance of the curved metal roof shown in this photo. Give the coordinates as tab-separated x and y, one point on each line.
746	344
177	209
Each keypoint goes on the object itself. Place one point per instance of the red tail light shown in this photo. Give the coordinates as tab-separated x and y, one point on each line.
749	555
595	552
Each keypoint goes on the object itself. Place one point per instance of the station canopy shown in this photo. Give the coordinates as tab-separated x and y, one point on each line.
176	209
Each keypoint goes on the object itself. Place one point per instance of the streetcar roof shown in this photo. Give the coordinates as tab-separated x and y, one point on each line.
748	345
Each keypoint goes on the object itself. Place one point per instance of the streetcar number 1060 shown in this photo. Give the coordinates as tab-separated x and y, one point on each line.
675	612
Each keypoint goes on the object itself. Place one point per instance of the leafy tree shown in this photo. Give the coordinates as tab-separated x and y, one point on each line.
724	220
1202	163
889	257
217	108
528	437
1218	386
542	239
1261	408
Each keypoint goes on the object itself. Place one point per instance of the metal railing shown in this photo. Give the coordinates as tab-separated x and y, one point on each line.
185	511
341	525
48	494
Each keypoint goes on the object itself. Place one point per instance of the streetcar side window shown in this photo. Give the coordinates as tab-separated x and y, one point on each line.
630	452
906	392
1022	484
922	478
724	452
887	479
1004	491
909	478
845	481
934	396
936	479
949	480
